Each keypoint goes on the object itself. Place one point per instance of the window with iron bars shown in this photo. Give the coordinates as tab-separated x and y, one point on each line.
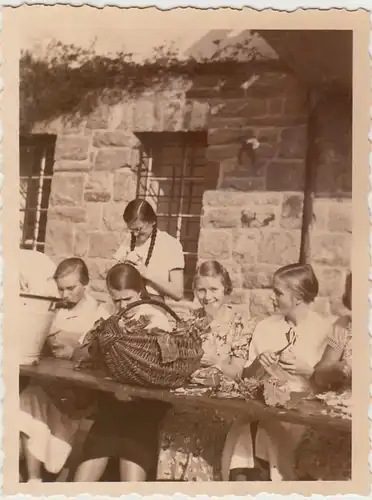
173	174
36	158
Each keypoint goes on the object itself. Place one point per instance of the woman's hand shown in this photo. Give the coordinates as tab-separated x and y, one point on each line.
62	347
296	366
267	358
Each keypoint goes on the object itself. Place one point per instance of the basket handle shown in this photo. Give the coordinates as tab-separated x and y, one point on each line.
150	302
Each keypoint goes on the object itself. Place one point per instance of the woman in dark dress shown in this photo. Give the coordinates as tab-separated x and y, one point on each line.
127	431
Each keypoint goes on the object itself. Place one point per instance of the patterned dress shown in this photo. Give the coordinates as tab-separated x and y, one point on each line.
325	455
192	439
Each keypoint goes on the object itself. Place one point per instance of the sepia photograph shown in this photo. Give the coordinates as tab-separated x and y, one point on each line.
190	232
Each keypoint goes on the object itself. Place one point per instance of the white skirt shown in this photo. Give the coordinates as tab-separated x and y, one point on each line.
276	443
50	432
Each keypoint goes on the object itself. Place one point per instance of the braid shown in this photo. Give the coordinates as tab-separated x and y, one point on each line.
132	242
152	244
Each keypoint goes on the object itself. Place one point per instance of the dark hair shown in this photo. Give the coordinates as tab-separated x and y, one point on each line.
301	279
124	276
140	209
72	265
346	299
213	268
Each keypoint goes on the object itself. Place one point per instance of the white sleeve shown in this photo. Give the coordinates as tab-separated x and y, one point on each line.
121	252
253	351
175	255
101	313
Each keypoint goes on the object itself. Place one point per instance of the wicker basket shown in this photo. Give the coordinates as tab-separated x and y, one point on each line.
132	354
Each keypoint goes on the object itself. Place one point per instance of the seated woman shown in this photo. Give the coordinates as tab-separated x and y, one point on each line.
192	441
47	432
125	430
334	369
326	454
303	334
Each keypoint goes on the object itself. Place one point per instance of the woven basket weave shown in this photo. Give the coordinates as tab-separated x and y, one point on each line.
132	354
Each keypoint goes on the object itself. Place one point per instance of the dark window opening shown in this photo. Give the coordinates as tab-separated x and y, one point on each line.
36	158
173	173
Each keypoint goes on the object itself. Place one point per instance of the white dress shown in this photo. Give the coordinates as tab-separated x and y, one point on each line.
50	431
166	256
276	441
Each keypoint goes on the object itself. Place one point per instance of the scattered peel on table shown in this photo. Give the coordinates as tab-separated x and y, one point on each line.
337	403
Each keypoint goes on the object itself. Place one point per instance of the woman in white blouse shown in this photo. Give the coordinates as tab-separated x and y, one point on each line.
302	336
157	255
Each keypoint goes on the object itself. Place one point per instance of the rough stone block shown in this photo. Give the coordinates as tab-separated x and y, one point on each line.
112	219
71	166
292	211
296	103
331	281
169	114
98	268
113	159
81	243
71	148
125	185
98	187
68	214
256	219
104	244
245	246
340	217
320	214
328	179
94	216
223	152
261	303
98	286
115	138
331	249
230	198
214	244
293	142
275	106
218	137
243	184
255	277
127	121
59	238
285	176
144	116
279	247
99	118
67	190
234	270
221	218
217	122
248	107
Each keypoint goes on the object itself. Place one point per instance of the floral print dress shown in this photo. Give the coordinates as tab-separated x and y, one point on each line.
192	439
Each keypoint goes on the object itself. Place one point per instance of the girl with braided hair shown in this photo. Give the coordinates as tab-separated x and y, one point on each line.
157	255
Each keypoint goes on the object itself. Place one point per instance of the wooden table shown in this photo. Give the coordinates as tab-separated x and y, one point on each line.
310	413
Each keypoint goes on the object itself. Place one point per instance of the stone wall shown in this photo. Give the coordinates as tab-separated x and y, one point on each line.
251	216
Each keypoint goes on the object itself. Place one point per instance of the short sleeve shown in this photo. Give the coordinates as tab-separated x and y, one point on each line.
253	349
175	255
338	336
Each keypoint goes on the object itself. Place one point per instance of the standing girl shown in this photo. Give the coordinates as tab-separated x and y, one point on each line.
304	334
157	255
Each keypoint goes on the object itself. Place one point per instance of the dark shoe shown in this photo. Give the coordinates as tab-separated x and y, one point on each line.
255	474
